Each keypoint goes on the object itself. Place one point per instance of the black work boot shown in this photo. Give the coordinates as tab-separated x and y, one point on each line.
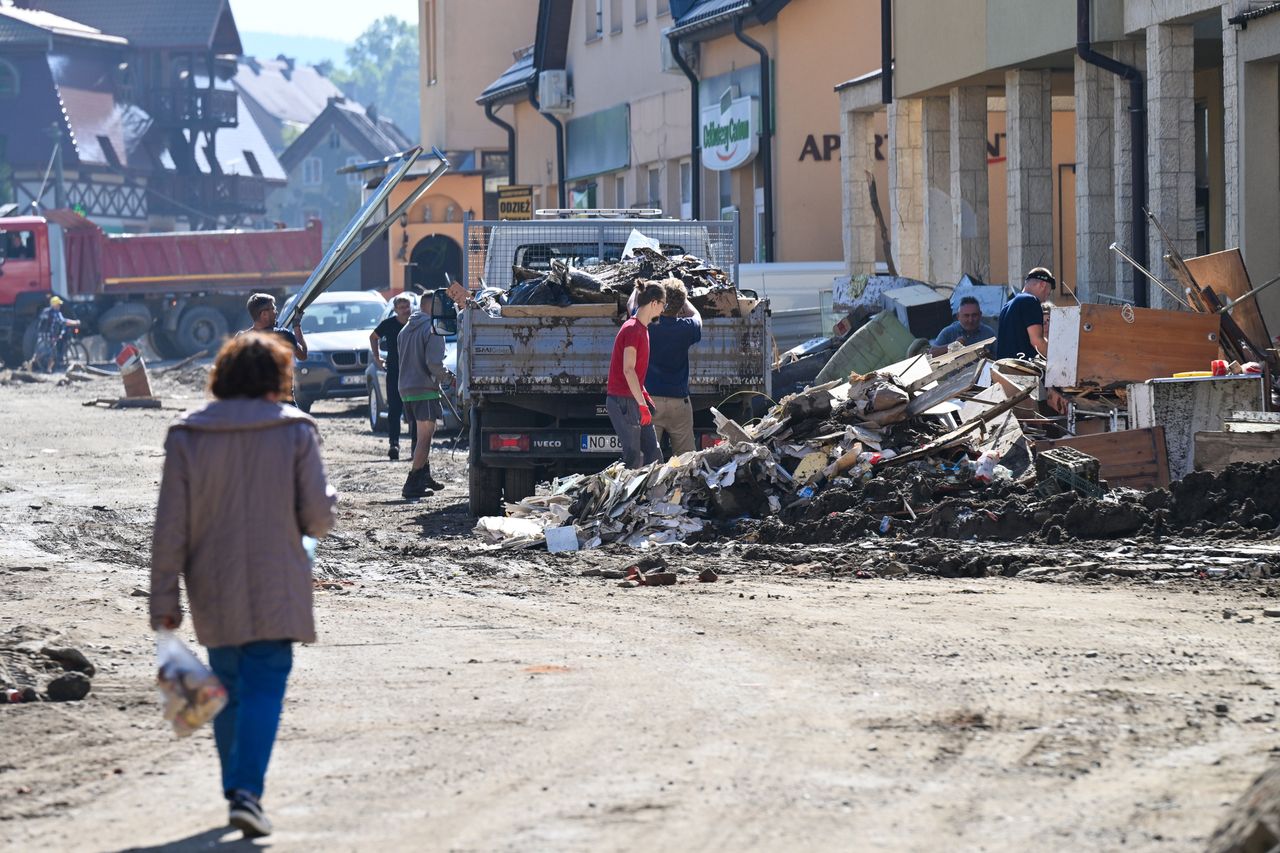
414	485
393	452
429	481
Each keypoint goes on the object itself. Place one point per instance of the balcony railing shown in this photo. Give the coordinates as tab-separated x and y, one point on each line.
203	108
208	195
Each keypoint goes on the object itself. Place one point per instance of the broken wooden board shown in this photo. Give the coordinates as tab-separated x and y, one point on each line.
1216	450
1112	344
126	402
961	432
1226	274
1134	458
582	310
958	382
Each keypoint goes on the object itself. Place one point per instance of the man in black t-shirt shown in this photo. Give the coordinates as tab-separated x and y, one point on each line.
387	332
262	310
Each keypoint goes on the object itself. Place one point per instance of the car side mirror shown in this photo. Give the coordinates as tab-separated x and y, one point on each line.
444	315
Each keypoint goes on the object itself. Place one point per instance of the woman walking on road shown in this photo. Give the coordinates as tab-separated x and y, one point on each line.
243	483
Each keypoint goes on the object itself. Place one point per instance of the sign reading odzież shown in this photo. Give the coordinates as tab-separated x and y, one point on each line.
515	202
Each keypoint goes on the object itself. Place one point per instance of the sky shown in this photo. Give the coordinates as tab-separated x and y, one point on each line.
339	20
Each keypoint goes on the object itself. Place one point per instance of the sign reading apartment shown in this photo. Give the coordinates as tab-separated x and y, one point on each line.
515	202
730	133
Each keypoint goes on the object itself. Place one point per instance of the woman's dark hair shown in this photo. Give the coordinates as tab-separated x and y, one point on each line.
651	292
252	364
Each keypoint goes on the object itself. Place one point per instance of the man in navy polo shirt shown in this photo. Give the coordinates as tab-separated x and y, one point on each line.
1021	330
670	337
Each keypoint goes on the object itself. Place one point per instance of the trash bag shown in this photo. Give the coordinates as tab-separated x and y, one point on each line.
191	695
539	291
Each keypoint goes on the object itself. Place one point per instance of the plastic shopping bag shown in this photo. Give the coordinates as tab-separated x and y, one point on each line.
190	693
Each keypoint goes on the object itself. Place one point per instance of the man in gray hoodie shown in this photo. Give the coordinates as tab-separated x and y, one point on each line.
422	372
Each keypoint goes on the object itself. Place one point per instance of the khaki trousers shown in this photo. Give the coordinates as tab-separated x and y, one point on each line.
674	416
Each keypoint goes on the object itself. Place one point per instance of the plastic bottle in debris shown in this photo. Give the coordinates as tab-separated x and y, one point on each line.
884	525
986	467
865	466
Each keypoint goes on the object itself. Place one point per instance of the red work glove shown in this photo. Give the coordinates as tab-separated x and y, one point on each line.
646	417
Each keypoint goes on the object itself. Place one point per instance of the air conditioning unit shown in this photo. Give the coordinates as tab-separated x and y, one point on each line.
687	49
553	92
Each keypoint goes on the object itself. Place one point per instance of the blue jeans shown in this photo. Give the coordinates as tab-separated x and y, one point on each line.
254	675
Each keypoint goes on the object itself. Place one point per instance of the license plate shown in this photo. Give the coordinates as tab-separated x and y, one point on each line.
355	379
601	444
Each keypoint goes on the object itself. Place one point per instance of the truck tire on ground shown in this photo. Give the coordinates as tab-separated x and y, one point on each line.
126	321
162	343
484	490
200	328
518	484
377	420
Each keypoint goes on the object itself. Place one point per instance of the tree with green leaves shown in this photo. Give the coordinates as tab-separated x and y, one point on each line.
382	71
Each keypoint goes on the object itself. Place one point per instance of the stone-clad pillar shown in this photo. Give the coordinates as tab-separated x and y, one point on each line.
1231	125
1171	146
1029	125
969	203
939	226
857	160
1095	204
905	191
1135	54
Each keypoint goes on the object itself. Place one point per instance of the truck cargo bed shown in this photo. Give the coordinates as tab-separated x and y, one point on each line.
570	355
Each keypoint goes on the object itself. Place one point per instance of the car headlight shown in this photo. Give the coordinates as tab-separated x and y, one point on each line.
317	357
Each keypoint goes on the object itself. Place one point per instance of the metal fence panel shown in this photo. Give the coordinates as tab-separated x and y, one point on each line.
493	247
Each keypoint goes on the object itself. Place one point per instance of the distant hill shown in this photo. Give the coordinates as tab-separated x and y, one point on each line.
305	49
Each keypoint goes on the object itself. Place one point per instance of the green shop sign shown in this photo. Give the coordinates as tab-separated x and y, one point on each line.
730	133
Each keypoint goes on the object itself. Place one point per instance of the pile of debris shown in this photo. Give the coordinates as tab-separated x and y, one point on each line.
36	666
830	437
711	289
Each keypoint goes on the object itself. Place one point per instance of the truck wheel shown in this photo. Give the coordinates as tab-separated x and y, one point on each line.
200	328
377	420
519	483
484	490
163	343
125	321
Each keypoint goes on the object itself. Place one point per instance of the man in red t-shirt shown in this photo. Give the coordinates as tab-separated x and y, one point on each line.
628	403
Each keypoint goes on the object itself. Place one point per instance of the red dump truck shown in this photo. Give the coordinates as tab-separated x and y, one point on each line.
187	289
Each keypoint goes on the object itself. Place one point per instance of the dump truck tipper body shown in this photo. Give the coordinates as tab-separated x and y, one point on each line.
534	387
188	289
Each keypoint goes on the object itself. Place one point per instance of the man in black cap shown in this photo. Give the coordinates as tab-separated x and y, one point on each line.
1021	329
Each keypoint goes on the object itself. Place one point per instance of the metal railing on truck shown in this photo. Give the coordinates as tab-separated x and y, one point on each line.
493	247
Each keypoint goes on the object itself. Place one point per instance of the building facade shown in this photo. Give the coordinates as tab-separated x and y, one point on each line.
602	100
343	135
129	115
1106	108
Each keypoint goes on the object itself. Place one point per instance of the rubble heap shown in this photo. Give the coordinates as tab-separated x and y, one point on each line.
711	289
831	437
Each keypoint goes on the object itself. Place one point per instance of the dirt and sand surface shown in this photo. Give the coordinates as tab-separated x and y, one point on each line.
1118	694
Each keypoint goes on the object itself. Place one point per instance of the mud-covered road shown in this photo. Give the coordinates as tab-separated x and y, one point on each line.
1119	696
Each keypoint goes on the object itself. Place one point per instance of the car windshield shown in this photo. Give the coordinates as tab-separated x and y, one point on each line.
341	317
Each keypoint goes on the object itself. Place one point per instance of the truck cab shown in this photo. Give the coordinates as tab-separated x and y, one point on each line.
25	278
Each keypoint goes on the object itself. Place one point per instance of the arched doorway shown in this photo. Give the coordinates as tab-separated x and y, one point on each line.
433	258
